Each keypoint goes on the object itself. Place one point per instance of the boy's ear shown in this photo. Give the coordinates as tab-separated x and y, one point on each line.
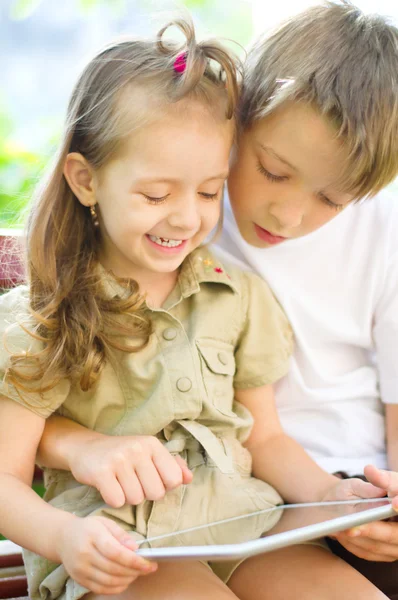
80	177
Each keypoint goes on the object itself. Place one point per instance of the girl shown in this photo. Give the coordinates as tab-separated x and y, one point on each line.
132	329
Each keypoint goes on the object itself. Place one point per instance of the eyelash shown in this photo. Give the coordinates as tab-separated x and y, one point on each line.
326	200
269	175
209	196
276	178
152	200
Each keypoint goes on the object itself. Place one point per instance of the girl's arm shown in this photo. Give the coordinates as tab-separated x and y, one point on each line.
24	516
282	462
124	469
95	551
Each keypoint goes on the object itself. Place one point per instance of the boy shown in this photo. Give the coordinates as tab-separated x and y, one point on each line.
319	114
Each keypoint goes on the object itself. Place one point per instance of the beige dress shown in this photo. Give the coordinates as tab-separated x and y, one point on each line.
219	329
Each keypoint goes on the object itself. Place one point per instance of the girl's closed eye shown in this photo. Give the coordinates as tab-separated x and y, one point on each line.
210	196
270	176
155	199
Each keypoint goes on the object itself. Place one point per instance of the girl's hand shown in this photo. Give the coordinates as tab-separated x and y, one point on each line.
100	556
128	469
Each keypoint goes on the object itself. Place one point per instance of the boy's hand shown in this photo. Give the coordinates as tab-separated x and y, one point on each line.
353	489
376	541
128	469
100	556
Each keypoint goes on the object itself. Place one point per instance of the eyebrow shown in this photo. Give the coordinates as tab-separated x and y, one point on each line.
223	175
275	155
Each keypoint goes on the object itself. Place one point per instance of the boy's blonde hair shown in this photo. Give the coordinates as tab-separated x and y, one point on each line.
345	65
124	87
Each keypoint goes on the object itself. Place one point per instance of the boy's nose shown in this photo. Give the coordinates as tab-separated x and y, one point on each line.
288	214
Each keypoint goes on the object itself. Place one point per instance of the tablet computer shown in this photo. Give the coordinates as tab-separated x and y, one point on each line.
264	531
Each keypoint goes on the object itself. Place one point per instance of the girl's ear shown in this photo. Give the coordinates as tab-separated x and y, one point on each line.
80	177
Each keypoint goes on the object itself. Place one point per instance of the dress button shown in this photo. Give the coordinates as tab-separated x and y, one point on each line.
223	358
184	384
169	334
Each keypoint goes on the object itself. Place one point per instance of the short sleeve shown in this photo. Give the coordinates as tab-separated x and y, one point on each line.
14	318
262	355
385	335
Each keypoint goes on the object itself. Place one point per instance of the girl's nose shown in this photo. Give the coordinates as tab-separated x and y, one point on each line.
185	215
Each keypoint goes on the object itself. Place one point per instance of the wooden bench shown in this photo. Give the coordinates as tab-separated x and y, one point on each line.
12	572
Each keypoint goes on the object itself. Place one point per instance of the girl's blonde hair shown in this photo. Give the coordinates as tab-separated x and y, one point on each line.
76	322
345	64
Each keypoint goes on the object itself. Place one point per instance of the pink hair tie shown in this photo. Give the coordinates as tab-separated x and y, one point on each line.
180	63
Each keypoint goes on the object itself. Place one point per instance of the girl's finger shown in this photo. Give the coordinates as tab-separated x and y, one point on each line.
187	474
110	580
131	485
172	469
111	491
150	479
107	566
97	588
113	543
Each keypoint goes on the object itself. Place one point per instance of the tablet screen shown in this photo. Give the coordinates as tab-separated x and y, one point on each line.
283	523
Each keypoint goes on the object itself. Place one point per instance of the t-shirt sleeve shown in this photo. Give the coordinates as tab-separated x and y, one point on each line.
14	319
262	355
385	335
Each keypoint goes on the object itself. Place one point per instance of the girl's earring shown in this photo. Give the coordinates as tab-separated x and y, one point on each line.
94	216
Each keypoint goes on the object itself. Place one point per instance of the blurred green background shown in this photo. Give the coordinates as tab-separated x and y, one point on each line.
27	140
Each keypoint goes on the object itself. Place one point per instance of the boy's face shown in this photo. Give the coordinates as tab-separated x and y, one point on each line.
282	183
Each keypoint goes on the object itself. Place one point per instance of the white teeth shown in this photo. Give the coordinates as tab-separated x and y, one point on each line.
165	242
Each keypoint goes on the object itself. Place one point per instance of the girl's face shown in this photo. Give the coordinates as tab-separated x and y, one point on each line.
160	198
282	182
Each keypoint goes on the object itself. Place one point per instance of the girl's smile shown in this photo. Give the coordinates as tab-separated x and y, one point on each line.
166	245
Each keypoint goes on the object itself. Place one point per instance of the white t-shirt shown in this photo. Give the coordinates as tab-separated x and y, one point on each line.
339	289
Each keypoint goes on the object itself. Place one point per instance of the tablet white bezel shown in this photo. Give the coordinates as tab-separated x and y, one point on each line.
276	541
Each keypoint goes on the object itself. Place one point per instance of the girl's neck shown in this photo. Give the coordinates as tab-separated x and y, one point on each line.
156	286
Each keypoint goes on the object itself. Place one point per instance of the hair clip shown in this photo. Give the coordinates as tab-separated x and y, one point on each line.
180	63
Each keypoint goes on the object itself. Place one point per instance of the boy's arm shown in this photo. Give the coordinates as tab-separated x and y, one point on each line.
392	435
277	458
282	462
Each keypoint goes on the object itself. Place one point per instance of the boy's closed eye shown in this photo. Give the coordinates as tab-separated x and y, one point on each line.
279	178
